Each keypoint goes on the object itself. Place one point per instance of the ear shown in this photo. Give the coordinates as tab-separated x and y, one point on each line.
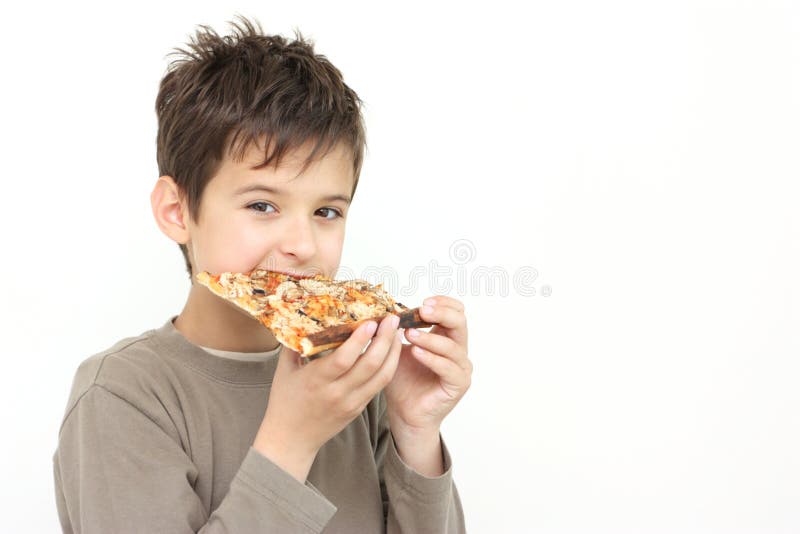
169	209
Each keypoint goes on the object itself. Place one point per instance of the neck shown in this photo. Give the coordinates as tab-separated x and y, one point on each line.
209	321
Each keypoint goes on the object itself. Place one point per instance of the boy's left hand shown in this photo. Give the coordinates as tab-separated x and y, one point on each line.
434	371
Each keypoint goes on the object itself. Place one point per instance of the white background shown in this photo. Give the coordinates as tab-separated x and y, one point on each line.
642	157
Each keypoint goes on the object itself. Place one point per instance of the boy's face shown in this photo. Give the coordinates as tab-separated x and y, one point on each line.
268	219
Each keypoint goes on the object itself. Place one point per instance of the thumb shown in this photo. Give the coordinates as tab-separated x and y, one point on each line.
290	358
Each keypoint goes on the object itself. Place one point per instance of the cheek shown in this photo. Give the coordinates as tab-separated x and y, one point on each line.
330	249
234	246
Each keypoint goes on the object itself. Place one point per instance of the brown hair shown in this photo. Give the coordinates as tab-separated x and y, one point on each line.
227	93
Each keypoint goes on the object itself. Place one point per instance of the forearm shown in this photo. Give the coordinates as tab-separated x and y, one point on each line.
418	503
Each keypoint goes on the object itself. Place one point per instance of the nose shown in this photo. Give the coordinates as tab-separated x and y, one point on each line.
298	240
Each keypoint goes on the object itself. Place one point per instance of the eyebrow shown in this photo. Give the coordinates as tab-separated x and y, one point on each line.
260	187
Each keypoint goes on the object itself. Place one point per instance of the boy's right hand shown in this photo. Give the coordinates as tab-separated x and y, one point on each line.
309	404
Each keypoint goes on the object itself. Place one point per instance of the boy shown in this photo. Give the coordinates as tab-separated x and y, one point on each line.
207	423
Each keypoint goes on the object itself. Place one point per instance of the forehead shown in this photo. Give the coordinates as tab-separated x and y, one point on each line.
329	173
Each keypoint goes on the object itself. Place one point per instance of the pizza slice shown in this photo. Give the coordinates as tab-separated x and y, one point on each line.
308	315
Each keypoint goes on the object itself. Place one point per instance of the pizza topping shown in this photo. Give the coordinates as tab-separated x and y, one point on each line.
318	288
288	291
301	312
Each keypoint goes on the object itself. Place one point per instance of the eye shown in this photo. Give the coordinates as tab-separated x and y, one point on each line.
263	207
331	211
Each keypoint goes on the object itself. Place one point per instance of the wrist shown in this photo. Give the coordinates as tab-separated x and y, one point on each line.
405	432
421	450
288	454
415	435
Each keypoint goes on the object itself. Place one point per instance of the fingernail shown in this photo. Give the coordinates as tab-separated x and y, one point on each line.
427	309
371	327
429	302
395	321
412	332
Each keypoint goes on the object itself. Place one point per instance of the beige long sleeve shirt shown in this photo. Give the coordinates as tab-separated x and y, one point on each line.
157	438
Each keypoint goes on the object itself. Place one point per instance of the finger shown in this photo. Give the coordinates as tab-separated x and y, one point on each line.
444	300
453	377
380	379
443	315
452	321
439	345
341	360
288	359
372	359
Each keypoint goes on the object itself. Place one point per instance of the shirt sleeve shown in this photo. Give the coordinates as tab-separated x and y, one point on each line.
412	502
116	470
